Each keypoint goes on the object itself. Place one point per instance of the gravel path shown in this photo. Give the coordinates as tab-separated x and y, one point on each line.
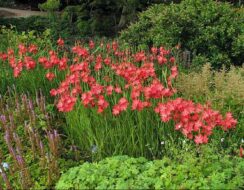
13	13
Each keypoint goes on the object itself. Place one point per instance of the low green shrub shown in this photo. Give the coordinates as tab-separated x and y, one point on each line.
210	30
22	24
50	5
189	172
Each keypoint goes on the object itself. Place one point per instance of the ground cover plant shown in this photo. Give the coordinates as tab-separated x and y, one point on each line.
122	172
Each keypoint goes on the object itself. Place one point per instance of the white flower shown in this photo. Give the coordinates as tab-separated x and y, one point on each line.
94	149
5	165
222	139
242	140
162	142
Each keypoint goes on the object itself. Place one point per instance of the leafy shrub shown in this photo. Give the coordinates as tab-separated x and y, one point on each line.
23	24
209	29
50	5
191	172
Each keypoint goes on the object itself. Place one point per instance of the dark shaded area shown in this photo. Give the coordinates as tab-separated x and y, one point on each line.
89	17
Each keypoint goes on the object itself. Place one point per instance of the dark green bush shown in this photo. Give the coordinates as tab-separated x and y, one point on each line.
26	24
211	30
208	171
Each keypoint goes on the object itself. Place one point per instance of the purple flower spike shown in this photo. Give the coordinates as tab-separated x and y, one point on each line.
3	119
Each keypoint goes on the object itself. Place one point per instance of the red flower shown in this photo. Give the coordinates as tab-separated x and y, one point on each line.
82	52
121	106
98	64
22	49
118	90
53	92
139	105
161	60
154	50
60	42
241	151
17	70
174	72
102	104
76	91
62	64
50	76
29	63
87	98
140	56
45	62
3	56
96	89
107	61
198	139
229	122
172	60
109	90
91	44
193	119
66	103
32	48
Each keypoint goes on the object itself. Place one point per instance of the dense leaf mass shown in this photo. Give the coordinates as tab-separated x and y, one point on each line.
210	30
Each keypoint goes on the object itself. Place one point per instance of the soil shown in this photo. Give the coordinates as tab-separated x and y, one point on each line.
13	13
4	13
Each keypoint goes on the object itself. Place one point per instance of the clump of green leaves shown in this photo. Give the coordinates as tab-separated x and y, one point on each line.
50	5
206	171
211	30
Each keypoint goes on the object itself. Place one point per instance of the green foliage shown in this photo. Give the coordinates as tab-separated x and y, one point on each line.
209	29
101	18
50	5
131	133
208	171
36	23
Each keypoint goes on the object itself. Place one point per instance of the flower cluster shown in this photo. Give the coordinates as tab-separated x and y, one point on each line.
195	121
138	81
